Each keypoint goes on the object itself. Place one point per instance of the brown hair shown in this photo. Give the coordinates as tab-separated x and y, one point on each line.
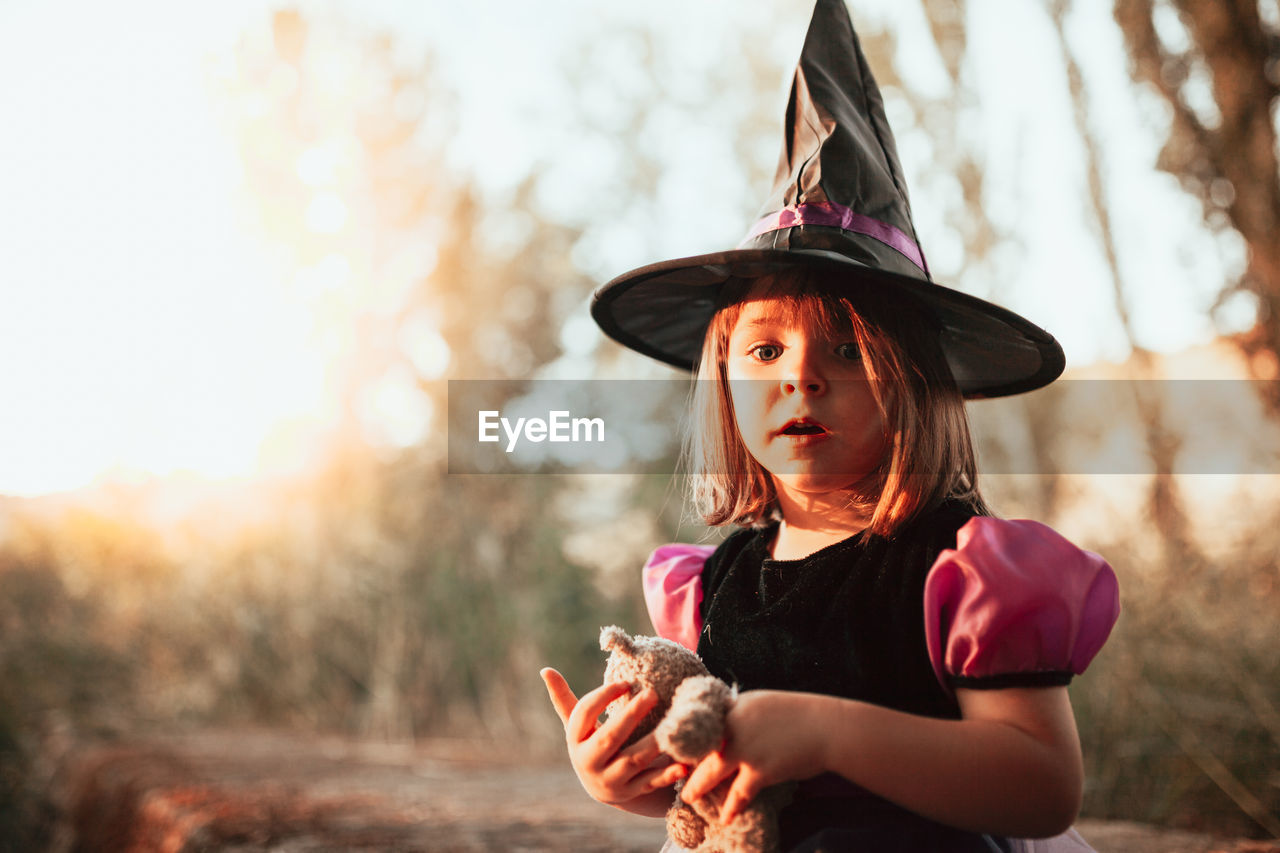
930	454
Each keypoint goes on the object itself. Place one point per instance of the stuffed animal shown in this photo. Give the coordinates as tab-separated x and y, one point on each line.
688	722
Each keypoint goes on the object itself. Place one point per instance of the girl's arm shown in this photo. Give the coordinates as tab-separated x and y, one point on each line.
1011	766
632	778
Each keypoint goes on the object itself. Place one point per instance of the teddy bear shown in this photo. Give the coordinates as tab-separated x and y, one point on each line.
688	723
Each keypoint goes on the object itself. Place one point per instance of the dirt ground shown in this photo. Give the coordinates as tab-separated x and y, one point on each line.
267	791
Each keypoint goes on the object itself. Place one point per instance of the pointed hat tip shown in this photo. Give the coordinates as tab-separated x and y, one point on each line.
831	36
831	10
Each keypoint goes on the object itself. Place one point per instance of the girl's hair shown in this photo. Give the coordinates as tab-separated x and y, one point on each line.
930	454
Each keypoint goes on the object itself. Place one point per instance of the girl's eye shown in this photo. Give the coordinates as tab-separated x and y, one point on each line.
765	352
849	351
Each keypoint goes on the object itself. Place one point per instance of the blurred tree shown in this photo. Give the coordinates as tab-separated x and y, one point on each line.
1162	444
59	676
944	118
1216	65
1217	771
423	603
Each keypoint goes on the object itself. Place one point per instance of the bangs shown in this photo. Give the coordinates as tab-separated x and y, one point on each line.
796	298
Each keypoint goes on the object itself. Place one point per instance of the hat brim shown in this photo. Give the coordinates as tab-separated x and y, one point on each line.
663	310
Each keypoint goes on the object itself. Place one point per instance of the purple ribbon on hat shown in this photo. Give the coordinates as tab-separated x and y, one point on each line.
838	216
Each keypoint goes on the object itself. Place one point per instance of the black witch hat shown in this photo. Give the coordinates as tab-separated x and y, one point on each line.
839	207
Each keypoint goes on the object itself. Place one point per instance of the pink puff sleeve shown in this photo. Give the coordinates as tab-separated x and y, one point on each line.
1016	605
673	591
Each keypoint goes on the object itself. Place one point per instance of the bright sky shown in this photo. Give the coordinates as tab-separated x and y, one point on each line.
146	327
140	328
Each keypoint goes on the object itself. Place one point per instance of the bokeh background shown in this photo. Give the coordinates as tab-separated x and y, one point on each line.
245	246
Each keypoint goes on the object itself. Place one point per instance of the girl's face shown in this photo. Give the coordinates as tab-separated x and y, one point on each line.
802	401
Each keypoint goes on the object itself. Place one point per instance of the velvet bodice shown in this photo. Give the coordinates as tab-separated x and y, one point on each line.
847	620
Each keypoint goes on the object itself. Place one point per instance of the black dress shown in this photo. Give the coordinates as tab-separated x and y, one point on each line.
845	621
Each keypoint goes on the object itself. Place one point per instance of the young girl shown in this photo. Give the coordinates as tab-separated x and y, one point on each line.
902	655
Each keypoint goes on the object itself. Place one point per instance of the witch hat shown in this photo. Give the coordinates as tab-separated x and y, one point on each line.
839	206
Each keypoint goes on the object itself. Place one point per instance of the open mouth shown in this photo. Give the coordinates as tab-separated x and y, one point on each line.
803	426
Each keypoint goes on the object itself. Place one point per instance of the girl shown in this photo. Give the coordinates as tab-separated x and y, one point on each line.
902	655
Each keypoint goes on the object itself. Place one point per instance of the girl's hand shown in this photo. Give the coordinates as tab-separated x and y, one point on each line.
770	740
608	772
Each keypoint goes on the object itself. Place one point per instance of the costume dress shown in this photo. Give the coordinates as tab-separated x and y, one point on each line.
951	600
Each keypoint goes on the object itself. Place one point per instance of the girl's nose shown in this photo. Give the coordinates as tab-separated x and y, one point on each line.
804	377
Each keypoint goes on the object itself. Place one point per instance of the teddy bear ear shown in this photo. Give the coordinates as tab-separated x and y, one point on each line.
612	637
